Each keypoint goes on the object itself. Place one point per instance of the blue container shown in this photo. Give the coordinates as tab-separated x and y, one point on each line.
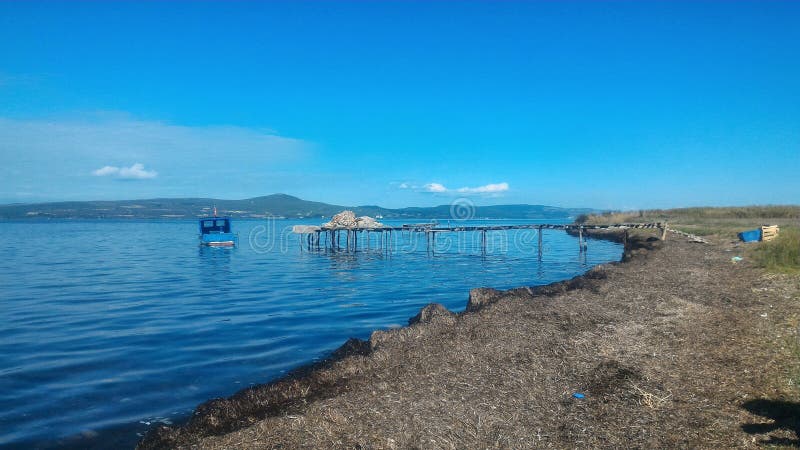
750	235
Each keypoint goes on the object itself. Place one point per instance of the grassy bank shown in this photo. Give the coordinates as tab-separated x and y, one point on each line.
723	222
780	255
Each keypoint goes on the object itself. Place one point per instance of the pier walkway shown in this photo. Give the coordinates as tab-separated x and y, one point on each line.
313	236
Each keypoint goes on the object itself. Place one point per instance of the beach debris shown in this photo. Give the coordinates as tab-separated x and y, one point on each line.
736	259
650	399
578	395
750	235
769	232
692	237
348	219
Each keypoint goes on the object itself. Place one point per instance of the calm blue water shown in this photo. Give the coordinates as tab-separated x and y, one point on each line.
112	327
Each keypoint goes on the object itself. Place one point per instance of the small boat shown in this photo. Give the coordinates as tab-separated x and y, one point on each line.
216	231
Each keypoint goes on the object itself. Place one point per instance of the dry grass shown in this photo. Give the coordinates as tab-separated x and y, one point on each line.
650	399
669	348
781	254
723	223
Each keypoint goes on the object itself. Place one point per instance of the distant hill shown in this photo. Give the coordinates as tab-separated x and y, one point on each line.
276	205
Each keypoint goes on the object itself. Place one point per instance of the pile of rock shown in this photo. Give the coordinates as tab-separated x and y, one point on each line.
345	219
368	222
348	219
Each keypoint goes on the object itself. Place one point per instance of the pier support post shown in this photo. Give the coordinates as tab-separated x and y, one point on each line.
540	242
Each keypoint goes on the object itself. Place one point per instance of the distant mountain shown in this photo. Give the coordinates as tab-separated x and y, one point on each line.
276	205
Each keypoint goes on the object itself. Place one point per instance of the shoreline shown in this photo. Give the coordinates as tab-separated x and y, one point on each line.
284	395
364	381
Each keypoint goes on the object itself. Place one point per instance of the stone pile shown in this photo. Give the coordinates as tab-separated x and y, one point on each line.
348	219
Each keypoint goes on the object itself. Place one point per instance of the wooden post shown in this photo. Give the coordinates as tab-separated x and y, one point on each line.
540	242
664	231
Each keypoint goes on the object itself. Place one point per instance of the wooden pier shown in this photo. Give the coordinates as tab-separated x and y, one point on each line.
322	238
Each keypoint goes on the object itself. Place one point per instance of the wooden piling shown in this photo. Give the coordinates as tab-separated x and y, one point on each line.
540	242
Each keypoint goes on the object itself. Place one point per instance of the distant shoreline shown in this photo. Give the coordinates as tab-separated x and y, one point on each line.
276	205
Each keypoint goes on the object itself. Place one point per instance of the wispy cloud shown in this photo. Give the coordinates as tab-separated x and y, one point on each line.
486	189
435	188
105	171
492	189
134	172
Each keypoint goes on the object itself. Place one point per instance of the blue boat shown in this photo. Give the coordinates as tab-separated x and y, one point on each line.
216	231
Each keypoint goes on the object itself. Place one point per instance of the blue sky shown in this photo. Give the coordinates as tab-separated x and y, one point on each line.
601	104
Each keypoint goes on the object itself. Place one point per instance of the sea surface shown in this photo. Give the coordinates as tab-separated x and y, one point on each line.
110	328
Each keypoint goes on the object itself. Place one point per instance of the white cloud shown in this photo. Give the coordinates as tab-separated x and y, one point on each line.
491	189
487	189
435	187
134	172
105	171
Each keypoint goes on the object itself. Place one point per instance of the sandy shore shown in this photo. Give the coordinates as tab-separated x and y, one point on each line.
676	347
